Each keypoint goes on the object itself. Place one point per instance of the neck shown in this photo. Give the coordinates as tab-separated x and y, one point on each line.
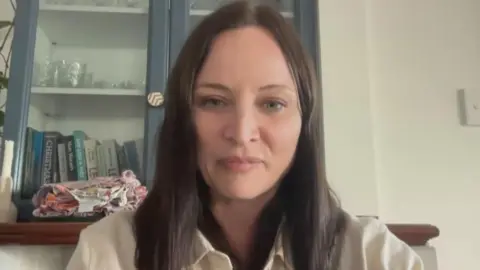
238	220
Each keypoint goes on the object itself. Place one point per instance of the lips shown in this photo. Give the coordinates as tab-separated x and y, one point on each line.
240	164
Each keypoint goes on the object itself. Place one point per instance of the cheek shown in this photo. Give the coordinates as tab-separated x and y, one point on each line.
207	131
208	136
283	137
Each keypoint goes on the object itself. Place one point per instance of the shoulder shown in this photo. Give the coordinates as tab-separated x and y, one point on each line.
110	232
364	228
105	244
110	226
370	243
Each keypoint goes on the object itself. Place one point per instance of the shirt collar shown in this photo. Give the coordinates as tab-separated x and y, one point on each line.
202	247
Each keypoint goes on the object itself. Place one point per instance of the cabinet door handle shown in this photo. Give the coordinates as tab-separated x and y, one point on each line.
155	99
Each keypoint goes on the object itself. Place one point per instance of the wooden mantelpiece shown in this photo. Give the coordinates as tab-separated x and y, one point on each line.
41	233
414	234
61	233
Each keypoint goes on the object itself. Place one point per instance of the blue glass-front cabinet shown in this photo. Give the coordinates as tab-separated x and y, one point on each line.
86	84
185	14
77	105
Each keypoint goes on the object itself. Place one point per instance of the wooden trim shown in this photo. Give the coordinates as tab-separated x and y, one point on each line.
415	234
41	233
61	233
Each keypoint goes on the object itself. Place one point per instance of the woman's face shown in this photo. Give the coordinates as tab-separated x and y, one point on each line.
247	114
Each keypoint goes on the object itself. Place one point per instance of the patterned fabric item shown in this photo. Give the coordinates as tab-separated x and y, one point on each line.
102	195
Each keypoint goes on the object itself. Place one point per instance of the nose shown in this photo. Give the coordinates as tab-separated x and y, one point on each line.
242	127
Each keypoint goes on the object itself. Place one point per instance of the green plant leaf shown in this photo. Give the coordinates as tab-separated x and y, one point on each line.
4	24
2	118
3	81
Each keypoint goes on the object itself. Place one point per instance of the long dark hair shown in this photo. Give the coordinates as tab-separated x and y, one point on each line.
165	224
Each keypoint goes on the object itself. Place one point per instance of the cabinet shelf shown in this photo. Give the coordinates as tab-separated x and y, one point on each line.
87	91
57	233
205	12
107	27
100	9
88	103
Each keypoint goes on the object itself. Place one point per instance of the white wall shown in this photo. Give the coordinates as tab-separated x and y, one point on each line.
390	72
348	120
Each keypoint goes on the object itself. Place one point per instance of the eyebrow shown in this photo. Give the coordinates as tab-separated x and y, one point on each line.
276	86
219	86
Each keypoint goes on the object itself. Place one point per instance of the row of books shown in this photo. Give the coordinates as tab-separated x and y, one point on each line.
52	157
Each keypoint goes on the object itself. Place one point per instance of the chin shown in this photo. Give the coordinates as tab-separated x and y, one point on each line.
243	191
241	196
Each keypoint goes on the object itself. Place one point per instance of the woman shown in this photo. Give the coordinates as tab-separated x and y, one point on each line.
240	178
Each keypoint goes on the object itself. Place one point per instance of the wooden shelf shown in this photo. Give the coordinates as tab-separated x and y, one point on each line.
52	233
414	234
41	233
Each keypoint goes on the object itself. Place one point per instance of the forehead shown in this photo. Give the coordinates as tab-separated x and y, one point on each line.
247	54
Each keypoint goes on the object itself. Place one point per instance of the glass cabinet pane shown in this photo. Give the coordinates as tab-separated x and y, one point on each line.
200	8
87	102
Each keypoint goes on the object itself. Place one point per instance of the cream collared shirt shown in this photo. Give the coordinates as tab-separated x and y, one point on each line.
109	244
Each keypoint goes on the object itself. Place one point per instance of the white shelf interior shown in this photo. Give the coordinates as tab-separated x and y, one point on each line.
112	44
95	26
101	117
196	15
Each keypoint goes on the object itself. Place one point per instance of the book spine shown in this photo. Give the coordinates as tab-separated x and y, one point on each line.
27	183
62	159
71	158
49	160
111	159
91	158
79	137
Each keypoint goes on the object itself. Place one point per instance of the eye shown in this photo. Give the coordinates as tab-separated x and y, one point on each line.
212	103
273	105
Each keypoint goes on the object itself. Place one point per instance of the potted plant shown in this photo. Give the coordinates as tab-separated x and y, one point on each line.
6	59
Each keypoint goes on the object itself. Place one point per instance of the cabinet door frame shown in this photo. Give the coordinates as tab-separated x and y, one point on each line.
19	85
307	24
157	73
